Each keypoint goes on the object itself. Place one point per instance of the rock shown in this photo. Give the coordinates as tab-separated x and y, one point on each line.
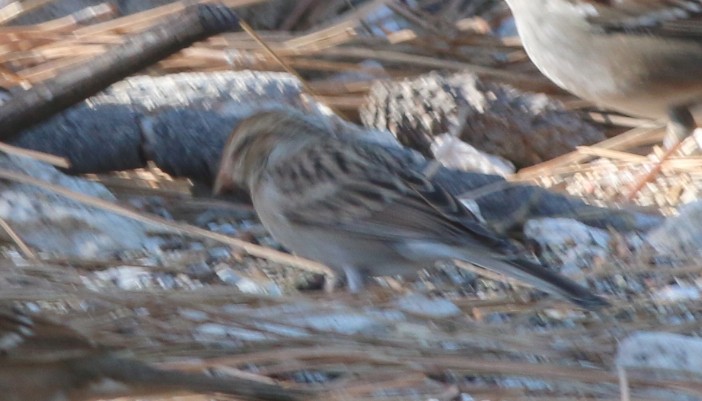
524	128
677	293
679	235
52	223
456	154
661	352
568	243
431	307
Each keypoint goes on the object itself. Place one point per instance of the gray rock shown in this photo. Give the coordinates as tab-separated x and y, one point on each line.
524	128
661	351
456	154
679	235
431	307
571	243
52	223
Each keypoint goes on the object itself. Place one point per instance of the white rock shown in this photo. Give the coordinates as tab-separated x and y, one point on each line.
661	351
207	331
52	223
194	315
123	277
677	293
227	274
346	323
679	235
573	243
248	286
454	153
328	316
432	307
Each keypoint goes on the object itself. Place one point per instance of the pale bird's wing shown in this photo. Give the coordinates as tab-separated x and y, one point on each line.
666	18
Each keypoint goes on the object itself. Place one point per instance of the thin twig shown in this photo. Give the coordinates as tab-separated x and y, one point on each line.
24	249
641	182
57	161
248	29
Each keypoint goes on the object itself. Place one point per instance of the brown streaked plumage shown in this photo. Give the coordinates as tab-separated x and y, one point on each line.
45	361
364	208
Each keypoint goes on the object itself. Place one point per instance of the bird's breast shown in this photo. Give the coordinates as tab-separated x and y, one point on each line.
635	73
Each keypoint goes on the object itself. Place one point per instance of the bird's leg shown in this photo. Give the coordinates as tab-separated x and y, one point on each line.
355	279
680	125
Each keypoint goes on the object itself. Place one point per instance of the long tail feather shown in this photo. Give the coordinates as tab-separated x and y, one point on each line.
541	278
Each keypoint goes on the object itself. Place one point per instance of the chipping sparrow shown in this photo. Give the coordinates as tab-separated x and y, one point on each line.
642	57
45	361
362	207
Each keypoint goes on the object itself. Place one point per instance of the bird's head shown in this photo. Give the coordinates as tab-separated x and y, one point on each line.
260	140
